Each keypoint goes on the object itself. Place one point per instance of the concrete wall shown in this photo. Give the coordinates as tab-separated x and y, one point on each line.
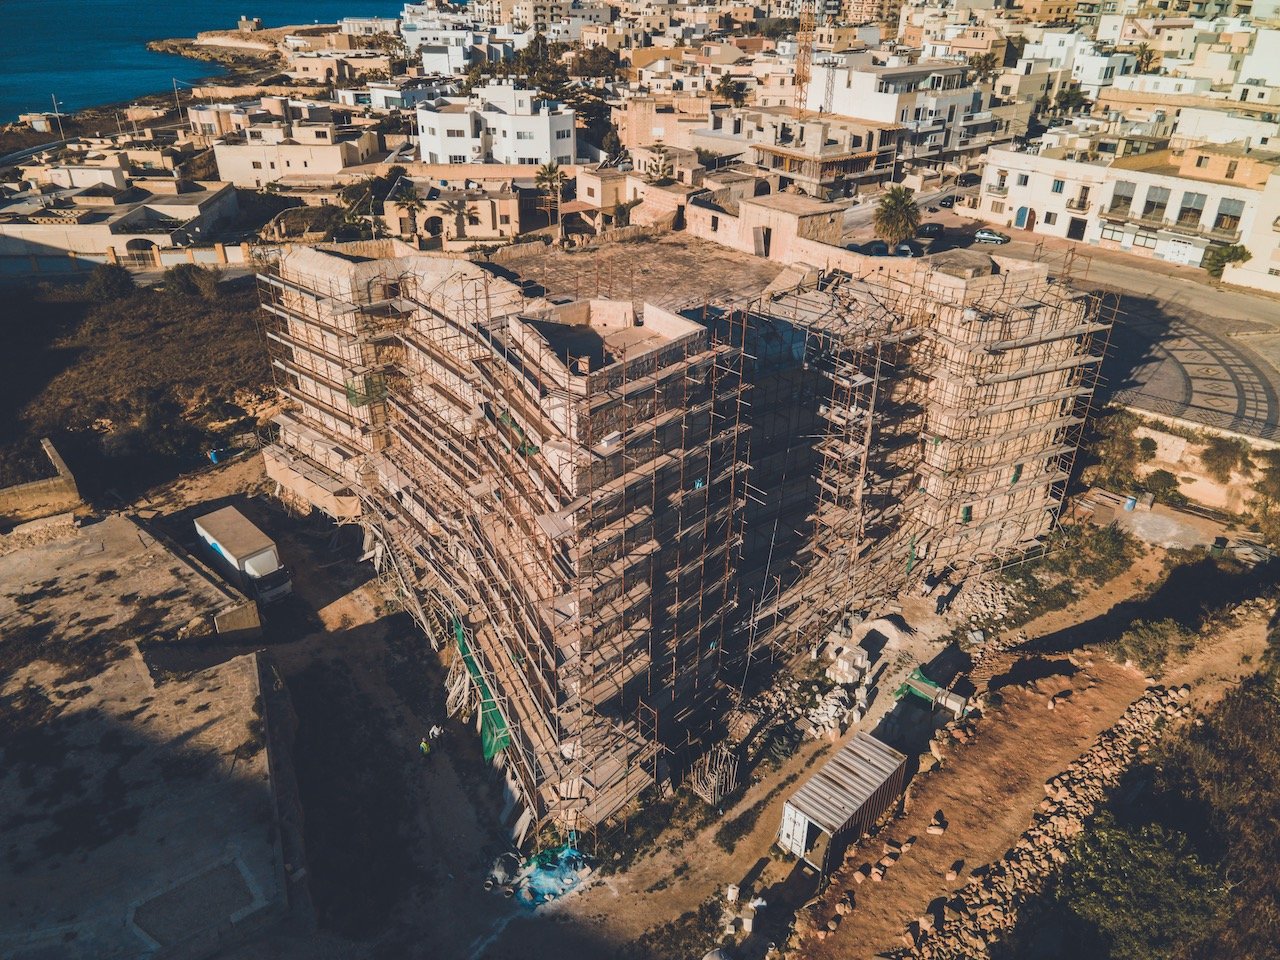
41	498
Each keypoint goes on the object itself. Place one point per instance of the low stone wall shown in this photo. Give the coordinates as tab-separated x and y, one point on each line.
41	498
987	906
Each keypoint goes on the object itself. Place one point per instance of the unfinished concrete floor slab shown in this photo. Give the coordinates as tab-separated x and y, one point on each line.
674	271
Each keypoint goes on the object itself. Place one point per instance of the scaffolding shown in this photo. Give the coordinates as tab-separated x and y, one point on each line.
603	513
554	493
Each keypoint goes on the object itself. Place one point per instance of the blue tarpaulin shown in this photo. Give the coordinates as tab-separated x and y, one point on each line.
550	874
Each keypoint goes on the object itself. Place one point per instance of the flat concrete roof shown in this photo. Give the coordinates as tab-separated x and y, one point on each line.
139	804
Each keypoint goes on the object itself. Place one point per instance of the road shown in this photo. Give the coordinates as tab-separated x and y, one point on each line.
857	219
1181	346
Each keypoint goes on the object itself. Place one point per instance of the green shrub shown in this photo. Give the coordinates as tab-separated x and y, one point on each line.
1221	457
1150	645
109	282
1161	483
192	280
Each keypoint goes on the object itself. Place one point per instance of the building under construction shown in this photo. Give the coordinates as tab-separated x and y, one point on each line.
608	511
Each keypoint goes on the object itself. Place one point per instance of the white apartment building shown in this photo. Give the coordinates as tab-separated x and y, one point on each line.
947	117
1170	205
1263	241
1092	67
499	123
368	26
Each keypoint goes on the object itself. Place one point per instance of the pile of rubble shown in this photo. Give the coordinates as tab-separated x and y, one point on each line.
987	906
982	599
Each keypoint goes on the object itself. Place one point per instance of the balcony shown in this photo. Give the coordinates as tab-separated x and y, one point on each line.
1079	205
982	117
1117	212
997	189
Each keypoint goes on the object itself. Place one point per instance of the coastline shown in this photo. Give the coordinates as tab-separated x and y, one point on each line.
240	66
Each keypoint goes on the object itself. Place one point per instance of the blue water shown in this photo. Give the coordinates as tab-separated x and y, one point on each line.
90	52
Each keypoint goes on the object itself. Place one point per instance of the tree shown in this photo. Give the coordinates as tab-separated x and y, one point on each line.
659	170
1222	457
1069	100
1140	892
731	89
897	217
550	179
611	143
109	281
1217	258
462	212
192	280
597	61
1146	57
984	66
411	203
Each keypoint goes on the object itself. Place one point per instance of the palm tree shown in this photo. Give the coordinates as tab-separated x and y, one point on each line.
897	218
462	212
984	66
410	203
550	178
659	169
1146	57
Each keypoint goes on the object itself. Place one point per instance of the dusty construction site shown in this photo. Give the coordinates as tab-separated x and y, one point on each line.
842	507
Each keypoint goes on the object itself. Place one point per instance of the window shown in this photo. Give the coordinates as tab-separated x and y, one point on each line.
1113	233
1058	186
563	134
524	134
997	206
322	134
1050	218
1202	161
1231	169
457	158
1023	179
504	219
1192	209
715	224
1144	238
1122	196
257	164
1157	202
1229	214
455	133
591	191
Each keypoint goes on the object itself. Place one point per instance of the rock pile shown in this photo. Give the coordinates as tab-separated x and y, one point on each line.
982	599
987	905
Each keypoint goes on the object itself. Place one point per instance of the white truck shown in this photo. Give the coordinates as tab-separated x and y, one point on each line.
246	555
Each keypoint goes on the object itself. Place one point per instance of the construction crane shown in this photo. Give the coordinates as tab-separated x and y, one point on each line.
804	56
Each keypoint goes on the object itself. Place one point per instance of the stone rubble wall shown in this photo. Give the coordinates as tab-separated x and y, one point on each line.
987	906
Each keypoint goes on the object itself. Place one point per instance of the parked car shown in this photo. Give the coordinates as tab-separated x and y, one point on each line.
947	201
987	235
930	231
908	249
968	180
876	248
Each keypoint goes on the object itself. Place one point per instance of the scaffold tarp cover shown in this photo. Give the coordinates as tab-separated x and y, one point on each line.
494	734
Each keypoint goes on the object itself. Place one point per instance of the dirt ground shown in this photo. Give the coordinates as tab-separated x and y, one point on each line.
398	846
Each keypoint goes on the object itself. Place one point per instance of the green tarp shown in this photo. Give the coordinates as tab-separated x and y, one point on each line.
494	734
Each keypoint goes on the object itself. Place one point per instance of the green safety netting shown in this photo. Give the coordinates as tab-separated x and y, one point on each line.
494	734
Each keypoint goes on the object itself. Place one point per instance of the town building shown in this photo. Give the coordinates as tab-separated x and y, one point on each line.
1141	197
500	122
265	151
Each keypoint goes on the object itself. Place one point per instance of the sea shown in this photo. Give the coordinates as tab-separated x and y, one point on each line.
87	53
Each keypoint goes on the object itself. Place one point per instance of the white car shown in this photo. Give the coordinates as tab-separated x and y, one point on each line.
987	235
